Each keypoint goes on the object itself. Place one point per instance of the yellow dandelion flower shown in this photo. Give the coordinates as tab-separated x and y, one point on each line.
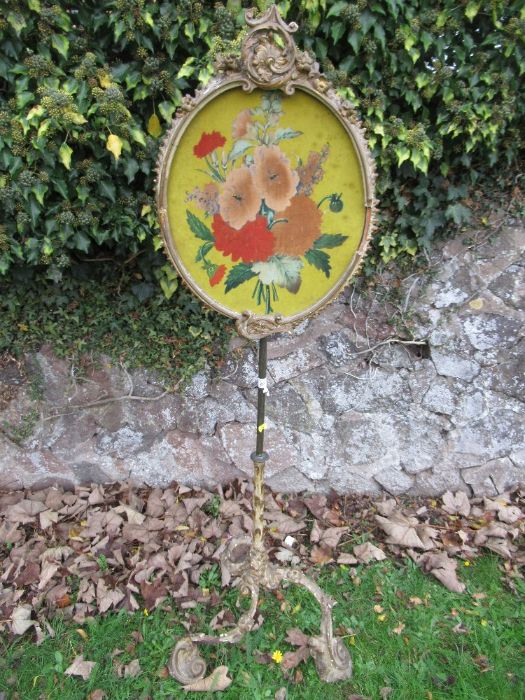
277	656
381	618
146	612
466	563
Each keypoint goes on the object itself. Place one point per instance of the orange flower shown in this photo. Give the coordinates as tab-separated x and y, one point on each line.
302	226
274	179
241	124
239	201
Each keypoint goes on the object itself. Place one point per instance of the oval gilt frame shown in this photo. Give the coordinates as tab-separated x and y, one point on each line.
269	60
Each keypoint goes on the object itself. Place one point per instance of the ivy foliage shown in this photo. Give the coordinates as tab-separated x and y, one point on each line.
89	88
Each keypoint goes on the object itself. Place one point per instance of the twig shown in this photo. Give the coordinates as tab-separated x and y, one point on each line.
388	341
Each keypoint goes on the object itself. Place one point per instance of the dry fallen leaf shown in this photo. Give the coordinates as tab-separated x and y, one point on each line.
444	569
281	694
368	552
399	628
457	503
415	600
21	619
407	531
296	637
291	659
132	669
79	667
321	555
347	559
217	680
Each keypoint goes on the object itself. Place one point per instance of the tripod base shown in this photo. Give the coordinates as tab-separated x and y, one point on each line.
330	654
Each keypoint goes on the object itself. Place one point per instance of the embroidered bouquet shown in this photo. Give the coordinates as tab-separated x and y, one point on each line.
263	217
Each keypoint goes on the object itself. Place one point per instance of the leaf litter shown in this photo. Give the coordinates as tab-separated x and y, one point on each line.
110	547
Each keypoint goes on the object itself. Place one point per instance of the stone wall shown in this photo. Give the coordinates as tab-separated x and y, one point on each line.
353	405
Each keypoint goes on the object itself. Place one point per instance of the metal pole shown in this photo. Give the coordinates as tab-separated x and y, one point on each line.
259	457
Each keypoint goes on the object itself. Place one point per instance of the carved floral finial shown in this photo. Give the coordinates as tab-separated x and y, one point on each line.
268	52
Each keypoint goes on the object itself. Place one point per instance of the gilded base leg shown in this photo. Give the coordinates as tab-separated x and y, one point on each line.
331	657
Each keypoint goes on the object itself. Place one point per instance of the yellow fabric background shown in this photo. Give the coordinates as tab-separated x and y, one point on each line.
342	174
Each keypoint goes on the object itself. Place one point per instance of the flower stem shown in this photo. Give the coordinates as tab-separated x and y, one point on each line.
328	196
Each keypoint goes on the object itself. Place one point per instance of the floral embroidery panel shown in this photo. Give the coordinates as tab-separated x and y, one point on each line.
266	201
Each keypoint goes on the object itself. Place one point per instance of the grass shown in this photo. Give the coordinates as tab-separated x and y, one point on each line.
426	660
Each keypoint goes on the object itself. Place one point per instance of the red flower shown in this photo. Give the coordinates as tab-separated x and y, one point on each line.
208	143
217	275
251	243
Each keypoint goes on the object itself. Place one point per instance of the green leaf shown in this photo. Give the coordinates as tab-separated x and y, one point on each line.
238	274
17	21
138	135
75	117
354	39
107	189
187	68
239	148
337	8
319	259
131	168
204	250
330	240
64	153
472	9
199	229
81	241
459	213
166	110
143	290
337	31
34	209
82	192
39	190
61	44
282	134
61	187
34	5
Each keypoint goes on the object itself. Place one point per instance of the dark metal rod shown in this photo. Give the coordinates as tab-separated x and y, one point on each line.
261	397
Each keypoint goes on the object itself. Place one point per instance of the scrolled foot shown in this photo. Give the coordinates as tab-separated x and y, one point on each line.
186	664
332	659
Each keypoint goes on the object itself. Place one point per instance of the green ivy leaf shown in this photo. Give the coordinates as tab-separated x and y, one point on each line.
459	213
330	240
107	189
337	8
39	190
337	31
319	259
64	153
131	168
17	21
472	9
61	44
82	242
198	227
238	274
